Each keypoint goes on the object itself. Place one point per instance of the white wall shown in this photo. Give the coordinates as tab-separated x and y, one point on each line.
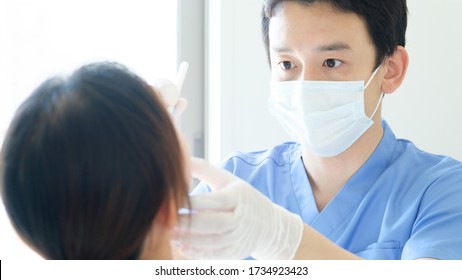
426	109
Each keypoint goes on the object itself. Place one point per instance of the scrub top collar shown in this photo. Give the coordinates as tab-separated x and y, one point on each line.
337	214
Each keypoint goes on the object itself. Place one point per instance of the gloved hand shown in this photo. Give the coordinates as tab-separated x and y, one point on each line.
235	221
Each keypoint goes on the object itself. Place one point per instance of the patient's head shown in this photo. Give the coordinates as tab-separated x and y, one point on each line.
92	167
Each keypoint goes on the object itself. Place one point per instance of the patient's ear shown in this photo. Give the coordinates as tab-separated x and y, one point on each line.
167	215
157	244
396	67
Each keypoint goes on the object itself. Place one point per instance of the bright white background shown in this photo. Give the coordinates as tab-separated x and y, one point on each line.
425	110
41	38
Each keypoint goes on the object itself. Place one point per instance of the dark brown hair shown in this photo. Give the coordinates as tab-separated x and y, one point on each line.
386	21
87	163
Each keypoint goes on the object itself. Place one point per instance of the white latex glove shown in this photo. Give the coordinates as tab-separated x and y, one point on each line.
235	221
170	93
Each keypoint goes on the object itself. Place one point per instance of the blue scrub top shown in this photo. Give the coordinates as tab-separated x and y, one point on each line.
403	203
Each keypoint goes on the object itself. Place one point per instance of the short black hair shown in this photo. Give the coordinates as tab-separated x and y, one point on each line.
386	21
87	163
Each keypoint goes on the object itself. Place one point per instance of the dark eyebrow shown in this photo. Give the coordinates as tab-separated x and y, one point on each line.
338	46
281	50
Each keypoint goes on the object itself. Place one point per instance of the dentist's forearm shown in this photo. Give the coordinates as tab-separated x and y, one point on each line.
314	246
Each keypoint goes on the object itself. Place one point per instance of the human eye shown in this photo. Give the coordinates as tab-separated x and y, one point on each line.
286	65
332	63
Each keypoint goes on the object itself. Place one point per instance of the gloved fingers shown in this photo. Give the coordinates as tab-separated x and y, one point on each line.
204	241
198	254
225	253
213	176
178	110
216	222
224	200
203	246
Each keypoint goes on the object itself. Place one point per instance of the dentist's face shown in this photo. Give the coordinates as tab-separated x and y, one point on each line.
317	42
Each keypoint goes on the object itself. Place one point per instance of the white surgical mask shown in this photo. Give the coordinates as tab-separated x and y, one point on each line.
326	117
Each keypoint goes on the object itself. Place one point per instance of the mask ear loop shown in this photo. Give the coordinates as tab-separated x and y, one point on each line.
372	77
381	95
377	107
